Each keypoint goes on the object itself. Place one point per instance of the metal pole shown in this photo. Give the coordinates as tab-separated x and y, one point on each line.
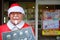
2	11
36	20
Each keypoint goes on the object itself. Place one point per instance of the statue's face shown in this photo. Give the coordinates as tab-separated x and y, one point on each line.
16	17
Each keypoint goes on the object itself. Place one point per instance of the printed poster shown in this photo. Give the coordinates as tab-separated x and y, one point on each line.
50	24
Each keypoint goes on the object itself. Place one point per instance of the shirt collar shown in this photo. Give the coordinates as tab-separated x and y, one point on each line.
11	26
20	25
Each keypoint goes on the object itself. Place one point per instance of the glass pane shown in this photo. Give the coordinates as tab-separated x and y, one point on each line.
29	8
47	16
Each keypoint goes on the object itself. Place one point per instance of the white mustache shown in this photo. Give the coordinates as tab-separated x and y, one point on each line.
15	17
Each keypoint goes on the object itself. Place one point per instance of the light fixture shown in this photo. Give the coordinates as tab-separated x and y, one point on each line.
46	6
33	7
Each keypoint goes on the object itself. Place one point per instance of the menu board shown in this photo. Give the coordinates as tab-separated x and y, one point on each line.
51	22
24	34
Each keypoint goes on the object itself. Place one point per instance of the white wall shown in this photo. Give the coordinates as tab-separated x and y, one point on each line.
49	2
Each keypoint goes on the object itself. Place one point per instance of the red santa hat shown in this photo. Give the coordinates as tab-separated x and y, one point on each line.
15	8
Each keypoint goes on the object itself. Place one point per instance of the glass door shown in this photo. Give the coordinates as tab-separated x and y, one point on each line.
46	15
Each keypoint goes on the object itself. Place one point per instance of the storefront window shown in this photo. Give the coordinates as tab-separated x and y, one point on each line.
49	16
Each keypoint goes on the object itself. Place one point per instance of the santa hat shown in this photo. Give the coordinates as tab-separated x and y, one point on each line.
15	8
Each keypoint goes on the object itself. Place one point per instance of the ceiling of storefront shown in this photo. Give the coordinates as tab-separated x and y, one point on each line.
28	4
49	6
21	0
24	3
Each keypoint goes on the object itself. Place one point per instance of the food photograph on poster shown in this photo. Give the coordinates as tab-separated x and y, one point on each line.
51	14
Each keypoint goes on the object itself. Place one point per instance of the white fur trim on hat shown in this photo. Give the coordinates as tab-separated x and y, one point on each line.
16	9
